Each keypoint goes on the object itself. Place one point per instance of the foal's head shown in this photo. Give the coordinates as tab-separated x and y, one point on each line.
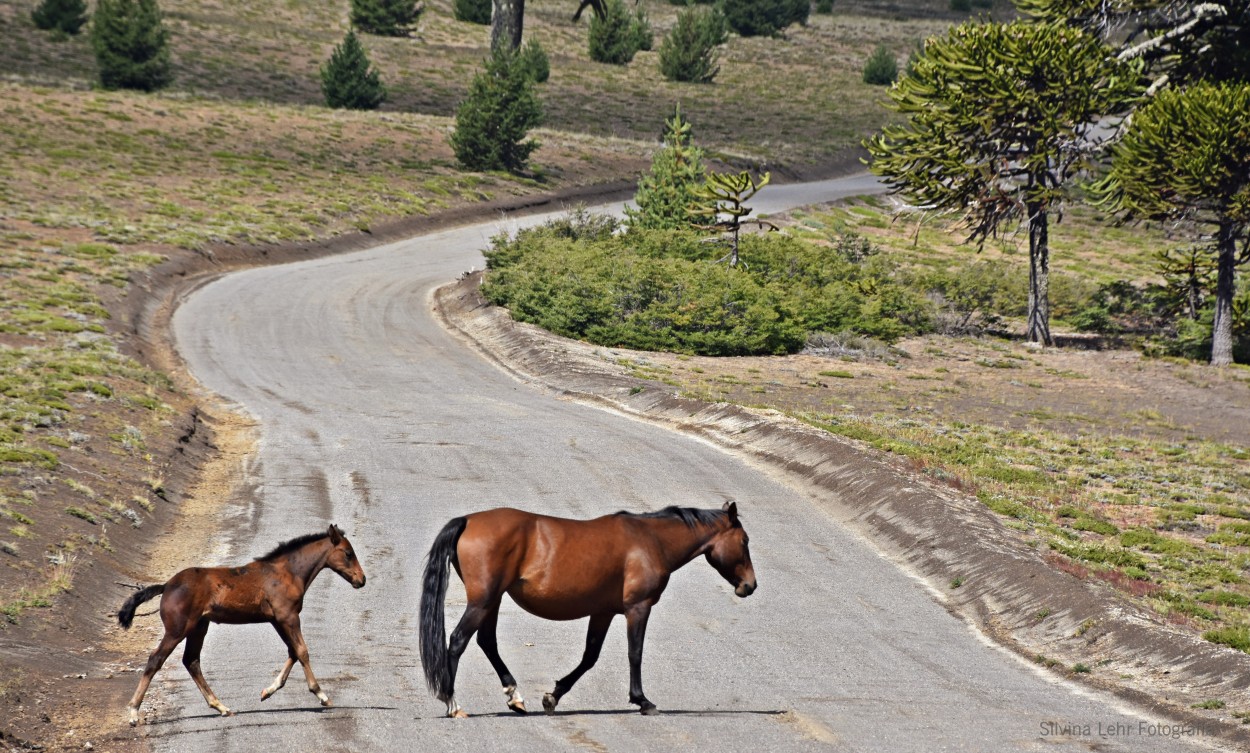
342	558
728	553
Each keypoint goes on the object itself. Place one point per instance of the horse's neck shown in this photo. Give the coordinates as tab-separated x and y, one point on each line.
307	562
682	543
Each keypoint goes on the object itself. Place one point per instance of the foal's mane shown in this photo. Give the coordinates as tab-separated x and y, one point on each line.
287	547
691	516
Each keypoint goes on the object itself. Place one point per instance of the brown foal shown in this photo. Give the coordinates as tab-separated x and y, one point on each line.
268	589
561	569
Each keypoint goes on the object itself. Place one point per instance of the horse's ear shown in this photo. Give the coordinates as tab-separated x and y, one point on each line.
731	508
335	534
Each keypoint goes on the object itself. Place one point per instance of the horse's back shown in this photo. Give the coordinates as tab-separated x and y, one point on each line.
557	568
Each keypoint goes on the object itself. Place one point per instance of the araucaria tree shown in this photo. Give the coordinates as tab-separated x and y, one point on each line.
999	119
131	45
491	123
667	195
348	81
1186	156
387	18
1180	40
65	17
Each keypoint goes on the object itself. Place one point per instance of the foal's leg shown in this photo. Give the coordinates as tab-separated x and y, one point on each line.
595	634
490	646
169	641
636	629
280	680
296	647
470	622
191	660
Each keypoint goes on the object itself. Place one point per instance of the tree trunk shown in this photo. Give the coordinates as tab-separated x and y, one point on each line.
1039	277
505	25
1222	329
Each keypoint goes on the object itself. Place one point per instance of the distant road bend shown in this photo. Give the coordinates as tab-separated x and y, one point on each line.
375	418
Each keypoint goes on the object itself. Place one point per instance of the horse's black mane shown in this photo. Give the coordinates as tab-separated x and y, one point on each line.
287	547
691	516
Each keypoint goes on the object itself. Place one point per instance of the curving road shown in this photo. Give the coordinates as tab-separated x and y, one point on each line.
375	418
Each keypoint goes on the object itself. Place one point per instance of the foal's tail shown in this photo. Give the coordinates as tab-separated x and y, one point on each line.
126	614
433	634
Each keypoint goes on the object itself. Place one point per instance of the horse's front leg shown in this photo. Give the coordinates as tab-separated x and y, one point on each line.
191	660
291	634
636	630
595	634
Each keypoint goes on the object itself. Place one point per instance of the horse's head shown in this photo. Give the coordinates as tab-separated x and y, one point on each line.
342	558
729	554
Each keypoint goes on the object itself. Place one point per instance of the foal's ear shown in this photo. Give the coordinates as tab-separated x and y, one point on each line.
732	509
335	534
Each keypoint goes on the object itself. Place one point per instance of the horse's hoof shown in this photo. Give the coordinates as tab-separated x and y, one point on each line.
517	706
549	703
649	709
460	714
227	712
327	702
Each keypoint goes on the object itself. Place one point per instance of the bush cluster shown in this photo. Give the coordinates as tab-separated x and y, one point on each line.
65	17
473	11
764	18
389	18
660	290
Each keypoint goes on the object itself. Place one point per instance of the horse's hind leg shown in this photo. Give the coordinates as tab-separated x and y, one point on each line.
595	634
280	680
490	646
472	619
156	659
191	660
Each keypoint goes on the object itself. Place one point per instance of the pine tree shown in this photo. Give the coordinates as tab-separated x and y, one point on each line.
618	36
473	11
387	18
666	196
347	81
493	120
62	16
688	52
881	68
131	45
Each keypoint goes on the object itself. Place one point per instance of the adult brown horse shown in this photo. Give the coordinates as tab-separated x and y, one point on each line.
268	589
562	569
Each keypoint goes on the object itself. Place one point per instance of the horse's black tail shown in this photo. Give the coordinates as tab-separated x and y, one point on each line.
433	634
126	614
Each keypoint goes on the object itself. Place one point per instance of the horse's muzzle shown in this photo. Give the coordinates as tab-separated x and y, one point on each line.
745	589
360	583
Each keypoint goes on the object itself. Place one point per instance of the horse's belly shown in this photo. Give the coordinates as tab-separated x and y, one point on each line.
561	605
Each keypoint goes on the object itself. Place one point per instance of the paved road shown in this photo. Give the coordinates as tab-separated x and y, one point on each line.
375	418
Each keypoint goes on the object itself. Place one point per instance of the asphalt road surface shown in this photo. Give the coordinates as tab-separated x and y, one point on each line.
375	418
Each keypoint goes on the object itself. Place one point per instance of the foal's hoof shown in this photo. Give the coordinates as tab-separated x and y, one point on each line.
549	703
648	709
460	714
517	706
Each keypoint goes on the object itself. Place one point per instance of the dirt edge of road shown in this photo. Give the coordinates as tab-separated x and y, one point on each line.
931	531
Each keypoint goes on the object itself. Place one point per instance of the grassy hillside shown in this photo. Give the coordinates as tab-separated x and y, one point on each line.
797	100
